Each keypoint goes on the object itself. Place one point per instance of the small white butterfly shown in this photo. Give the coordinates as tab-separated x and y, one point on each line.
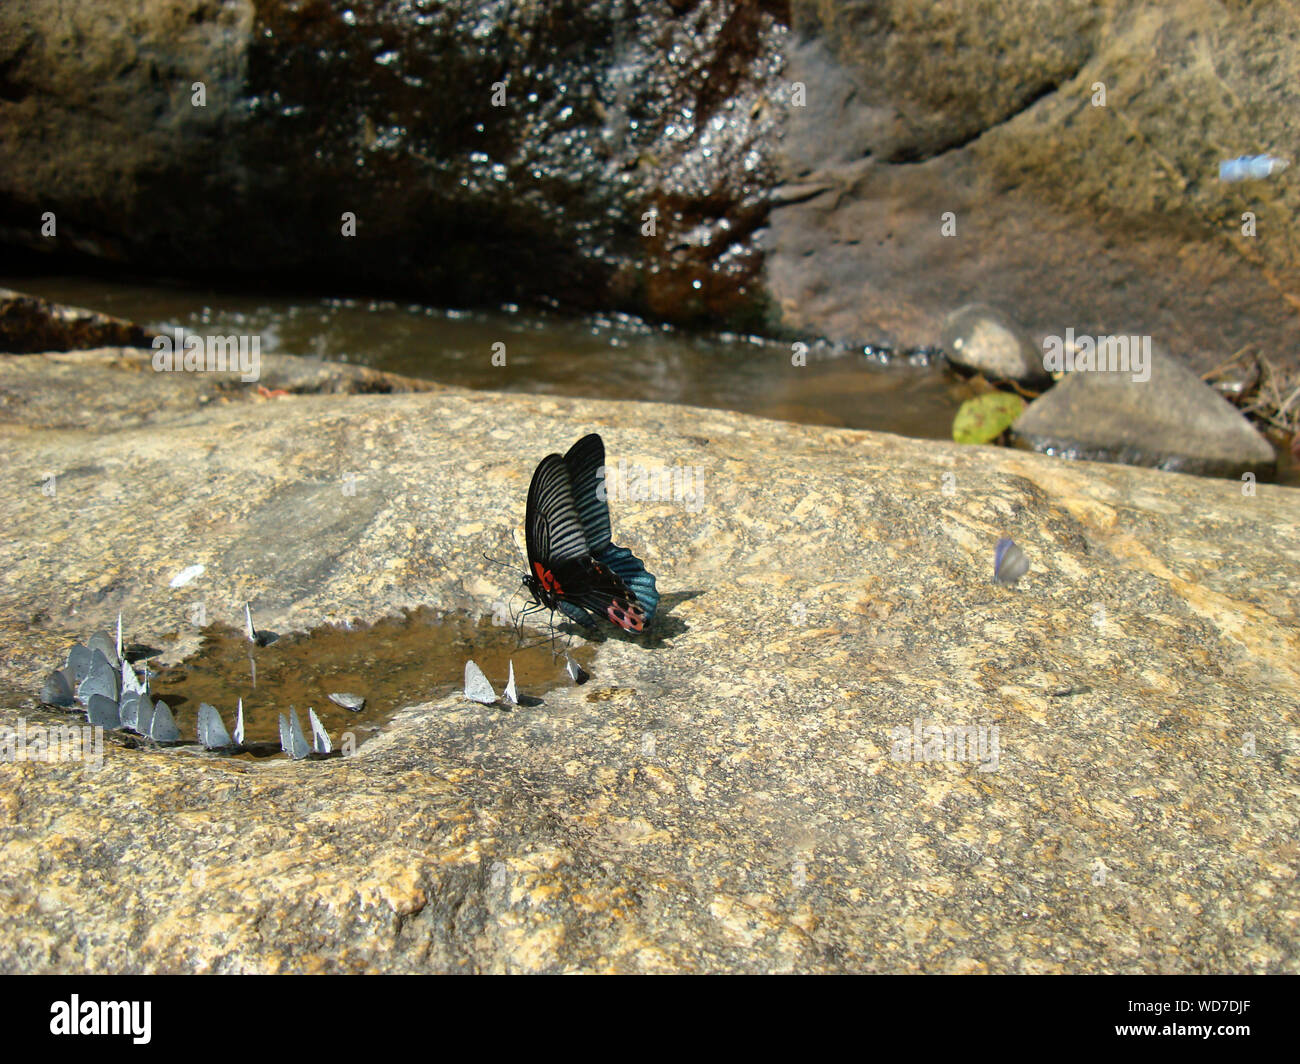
576	671
320	738
239	724
100	641
131	684
186	575
212	731
1251	167
137	712
162	726
512	693
477	686
102	711
292	740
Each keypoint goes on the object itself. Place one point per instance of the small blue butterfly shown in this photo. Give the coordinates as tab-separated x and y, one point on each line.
212	732
1009	563
1251	167
576	672
320	738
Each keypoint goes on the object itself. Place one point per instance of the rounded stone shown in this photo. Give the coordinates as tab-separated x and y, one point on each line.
983	338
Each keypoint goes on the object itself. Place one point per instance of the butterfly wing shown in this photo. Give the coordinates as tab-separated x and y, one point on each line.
632	572
575	613
477	686
573	566
590	585
1009	563
553	530
585	461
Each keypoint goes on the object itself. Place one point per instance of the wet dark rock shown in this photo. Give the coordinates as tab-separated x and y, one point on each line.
386	110
28	324
987	340
1070	214
1173	421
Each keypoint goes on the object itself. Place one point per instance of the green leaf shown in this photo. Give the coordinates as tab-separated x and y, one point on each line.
986	417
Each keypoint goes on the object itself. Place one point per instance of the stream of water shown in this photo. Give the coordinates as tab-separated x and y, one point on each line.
606	357
602	357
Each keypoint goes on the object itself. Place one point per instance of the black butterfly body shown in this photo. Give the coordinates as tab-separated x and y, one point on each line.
573	566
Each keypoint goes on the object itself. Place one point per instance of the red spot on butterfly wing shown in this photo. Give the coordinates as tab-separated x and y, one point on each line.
627	616
547	578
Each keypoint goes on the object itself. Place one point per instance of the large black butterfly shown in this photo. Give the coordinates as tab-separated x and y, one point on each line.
573	566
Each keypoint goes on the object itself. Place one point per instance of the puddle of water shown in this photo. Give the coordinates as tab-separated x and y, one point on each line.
393	663
605	357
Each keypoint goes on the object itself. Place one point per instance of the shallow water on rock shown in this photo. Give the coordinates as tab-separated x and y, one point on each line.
393	663
609	357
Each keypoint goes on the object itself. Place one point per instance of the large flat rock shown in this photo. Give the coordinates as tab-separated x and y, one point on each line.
725	797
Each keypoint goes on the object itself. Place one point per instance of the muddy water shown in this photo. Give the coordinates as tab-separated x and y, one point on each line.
604	357
396	662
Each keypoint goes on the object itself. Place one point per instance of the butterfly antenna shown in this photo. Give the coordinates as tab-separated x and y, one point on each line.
500	564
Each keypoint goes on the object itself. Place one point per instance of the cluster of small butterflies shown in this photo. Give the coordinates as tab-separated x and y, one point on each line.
213	734
574	567
99	676
294	743
478	688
